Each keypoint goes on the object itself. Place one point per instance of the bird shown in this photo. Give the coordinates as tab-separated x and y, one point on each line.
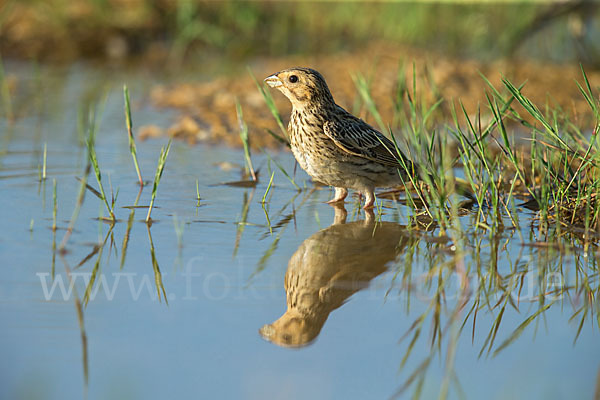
328	268
333	146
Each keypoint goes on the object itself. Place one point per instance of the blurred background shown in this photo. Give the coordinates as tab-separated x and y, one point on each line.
177	30
197	54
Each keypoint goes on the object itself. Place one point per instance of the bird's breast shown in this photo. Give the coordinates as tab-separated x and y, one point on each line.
316	153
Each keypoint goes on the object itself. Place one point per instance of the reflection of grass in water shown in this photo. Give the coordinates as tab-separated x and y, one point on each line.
92	287
558	177
267	217
98	249
284	219
130	220
241	225
82	332
179	228
264	201
197	195
486	171
488	290
54	212
78	204
157	274
280	227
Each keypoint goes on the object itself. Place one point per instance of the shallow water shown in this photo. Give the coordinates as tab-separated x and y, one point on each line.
357	290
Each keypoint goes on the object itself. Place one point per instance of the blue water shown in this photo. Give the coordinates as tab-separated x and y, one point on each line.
205	342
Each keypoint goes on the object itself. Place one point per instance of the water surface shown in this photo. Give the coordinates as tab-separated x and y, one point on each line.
366	306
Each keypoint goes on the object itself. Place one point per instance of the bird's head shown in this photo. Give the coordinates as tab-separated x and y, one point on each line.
303	86
293	329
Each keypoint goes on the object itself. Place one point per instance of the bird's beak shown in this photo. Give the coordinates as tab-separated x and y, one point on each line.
267	331
273	81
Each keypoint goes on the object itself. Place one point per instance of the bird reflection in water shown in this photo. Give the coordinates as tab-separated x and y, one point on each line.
328	268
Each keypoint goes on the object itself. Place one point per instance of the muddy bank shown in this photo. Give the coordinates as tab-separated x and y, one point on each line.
208	111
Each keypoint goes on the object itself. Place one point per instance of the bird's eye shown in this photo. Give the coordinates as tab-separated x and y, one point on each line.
293	79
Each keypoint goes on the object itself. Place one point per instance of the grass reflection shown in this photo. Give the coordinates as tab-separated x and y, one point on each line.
470	280
456	270
157	274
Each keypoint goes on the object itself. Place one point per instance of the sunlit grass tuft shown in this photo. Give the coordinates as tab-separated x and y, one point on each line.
132	147
162	160
245	141
268	98
264	198
94	163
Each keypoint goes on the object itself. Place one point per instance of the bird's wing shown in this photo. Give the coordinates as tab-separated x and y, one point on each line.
356	137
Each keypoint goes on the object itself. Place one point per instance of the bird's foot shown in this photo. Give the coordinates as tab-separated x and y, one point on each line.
340	195
370	200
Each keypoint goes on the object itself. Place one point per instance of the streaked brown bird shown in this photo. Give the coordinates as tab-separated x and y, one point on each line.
333	146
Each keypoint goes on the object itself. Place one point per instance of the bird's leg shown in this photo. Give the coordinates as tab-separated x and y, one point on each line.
369	217
340	214
370	199
340	195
